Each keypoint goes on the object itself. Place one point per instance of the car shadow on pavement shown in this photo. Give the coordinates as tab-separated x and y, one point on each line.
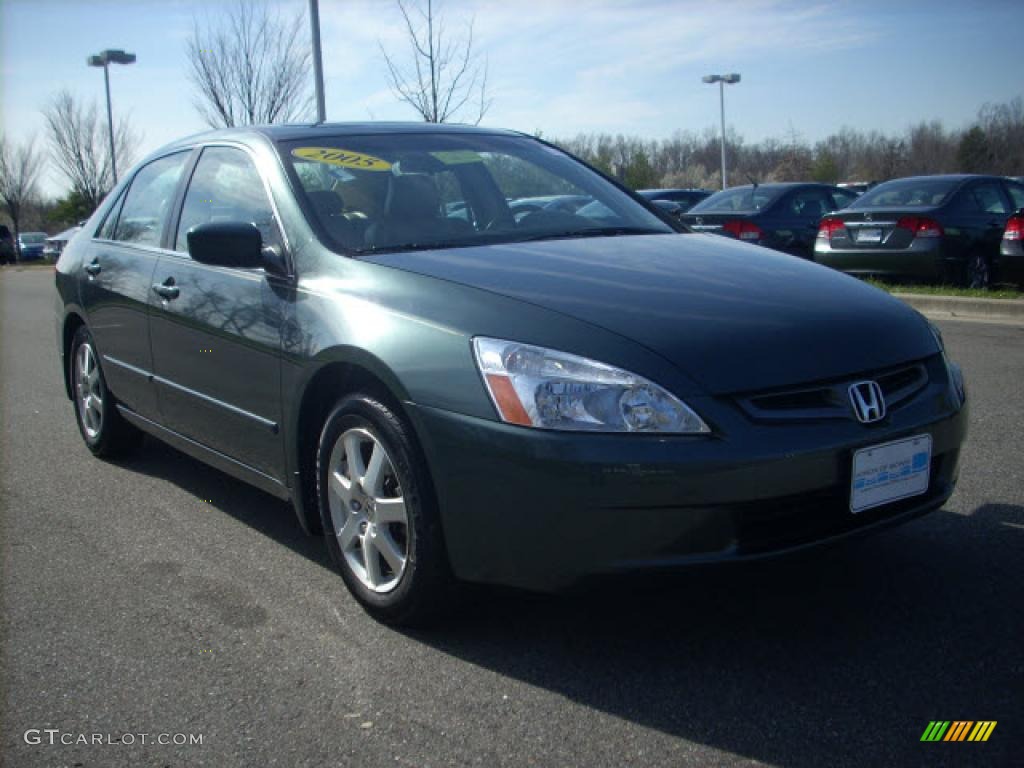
837	657
261	511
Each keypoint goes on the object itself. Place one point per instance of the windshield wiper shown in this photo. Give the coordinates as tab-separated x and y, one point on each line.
500	238
590	232
433	245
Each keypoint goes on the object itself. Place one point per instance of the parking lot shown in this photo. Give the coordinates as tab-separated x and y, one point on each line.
158	596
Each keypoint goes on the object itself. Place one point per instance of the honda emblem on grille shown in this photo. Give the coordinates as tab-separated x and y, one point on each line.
700	220
867	401
867	217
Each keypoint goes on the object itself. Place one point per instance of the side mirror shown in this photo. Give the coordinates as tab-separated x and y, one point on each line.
226	244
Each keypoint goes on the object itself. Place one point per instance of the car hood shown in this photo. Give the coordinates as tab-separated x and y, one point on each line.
732	316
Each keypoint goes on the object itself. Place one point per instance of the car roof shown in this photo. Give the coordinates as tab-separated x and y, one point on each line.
295	131
662	190
944	177
779	185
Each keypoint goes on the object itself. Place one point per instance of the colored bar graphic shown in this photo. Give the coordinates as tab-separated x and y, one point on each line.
958	730
935	730
982	730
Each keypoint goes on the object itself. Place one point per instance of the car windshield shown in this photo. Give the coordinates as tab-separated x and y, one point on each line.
394	192
906	193
738	199
33	238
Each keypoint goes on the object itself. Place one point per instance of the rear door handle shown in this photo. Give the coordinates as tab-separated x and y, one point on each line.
93	268
167	289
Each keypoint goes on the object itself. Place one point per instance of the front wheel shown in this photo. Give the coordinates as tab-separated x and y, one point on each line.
379	514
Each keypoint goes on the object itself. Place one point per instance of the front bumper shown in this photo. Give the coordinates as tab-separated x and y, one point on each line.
541	509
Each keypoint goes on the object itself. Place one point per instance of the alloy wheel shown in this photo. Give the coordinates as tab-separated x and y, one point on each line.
368	511
89	391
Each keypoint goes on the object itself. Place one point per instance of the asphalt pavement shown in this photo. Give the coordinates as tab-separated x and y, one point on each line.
155	597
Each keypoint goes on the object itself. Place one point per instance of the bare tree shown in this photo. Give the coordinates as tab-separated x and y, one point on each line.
252	69
445	76
81	148
19	172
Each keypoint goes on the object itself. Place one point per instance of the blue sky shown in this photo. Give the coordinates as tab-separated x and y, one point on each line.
564	66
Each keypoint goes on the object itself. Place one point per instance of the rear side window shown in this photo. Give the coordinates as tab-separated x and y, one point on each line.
1016	194
145	207
226	186
984	197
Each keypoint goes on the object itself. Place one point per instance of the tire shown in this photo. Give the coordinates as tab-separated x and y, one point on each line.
379	513
979	271
101	425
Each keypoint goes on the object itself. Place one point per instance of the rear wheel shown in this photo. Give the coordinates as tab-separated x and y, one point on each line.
979	271
379	515
104	430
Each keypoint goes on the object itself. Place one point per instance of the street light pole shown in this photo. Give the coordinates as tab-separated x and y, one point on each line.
110	122
105	59
318	67
722	80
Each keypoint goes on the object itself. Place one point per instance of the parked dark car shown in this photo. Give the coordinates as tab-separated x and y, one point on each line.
479	398
1009	264
935	229
684	198
31	244
783	217
564	203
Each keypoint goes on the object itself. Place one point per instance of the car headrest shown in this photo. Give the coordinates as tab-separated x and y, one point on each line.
413	196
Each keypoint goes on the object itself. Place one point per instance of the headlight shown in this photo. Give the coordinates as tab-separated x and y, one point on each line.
956	374
536	387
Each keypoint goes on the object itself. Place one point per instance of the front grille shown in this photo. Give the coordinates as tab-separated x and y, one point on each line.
830	400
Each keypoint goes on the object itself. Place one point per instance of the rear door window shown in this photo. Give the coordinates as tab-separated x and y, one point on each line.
144	211
809	203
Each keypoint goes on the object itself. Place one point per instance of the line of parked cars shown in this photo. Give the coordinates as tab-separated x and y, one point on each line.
959	229
784	217
939	229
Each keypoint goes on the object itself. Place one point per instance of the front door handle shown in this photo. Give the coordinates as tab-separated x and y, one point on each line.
93	268
166	290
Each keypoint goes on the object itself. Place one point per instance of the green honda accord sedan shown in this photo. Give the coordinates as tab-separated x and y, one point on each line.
351	318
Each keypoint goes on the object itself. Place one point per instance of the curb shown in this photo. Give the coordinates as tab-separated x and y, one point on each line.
958	306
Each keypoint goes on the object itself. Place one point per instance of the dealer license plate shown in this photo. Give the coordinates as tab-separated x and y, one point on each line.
890	472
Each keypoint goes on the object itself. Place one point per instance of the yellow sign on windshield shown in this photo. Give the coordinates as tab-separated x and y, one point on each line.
343	158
